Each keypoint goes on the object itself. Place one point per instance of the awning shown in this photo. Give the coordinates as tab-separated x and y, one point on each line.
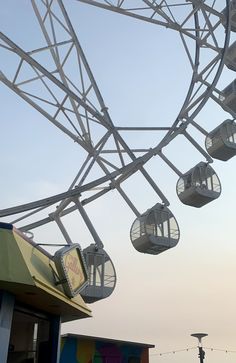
28	272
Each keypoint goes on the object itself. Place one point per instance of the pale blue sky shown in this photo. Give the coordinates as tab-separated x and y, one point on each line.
142	74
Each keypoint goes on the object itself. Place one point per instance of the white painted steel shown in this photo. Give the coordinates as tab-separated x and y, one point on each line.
80	112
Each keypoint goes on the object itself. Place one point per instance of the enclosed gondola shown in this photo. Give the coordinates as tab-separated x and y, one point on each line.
232	6
155	231
199	186
228	96
230	60
221	142
101	274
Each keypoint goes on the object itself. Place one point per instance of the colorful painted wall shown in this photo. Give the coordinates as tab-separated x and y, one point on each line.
80	350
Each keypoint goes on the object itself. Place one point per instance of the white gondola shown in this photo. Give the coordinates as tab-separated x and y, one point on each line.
155	231
230	60
221	142
228	96
199	186
232	15
101	274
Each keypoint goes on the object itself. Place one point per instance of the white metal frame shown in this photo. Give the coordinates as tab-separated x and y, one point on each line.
75	109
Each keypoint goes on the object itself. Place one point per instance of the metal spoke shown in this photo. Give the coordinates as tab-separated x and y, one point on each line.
75	105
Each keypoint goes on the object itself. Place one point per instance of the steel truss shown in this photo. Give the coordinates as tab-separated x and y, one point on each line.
42	77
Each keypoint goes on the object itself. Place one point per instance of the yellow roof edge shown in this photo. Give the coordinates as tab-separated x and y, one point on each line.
61	296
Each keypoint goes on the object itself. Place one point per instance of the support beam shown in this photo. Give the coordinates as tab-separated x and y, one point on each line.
6	313
55	330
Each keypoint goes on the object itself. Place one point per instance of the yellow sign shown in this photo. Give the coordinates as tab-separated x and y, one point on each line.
71	269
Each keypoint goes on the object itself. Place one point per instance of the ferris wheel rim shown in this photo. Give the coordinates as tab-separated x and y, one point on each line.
213	84
172	132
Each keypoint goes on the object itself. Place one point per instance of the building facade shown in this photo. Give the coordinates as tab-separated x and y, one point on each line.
87	349
33	301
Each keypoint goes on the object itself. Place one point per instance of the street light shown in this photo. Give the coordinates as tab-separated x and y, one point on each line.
199	336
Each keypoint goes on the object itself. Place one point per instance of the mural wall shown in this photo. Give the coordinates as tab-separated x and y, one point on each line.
77	350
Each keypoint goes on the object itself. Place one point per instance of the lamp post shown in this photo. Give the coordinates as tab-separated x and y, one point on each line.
199	336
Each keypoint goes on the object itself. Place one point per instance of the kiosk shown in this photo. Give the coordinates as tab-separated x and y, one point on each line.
35	299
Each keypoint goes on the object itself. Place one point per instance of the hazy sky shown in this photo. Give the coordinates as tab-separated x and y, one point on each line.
141	71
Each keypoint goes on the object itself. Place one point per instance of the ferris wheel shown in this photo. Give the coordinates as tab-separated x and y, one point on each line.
42	77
